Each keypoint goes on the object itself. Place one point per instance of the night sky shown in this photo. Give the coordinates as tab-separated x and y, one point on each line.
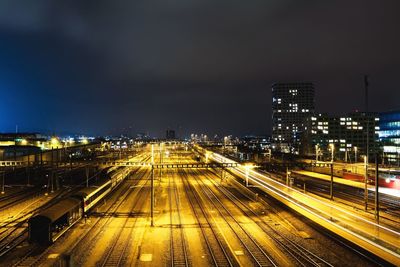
106	67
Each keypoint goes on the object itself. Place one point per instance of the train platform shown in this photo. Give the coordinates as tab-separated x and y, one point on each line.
339	180
347	223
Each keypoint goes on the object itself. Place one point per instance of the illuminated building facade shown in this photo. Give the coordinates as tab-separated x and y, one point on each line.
346	135
22	139
292	103
389	135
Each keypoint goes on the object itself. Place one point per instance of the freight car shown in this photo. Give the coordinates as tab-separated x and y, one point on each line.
48	225
51	223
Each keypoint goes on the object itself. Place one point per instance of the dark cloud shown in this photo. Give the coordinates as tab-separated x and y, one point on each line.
196	65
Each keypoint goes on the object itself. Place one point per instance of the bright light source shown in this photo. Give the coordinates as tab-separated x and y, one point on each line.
24	142
54	142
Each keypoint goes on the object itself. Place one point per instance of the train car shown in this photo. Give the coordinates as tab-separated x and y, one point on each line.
91	196
388	179
51	223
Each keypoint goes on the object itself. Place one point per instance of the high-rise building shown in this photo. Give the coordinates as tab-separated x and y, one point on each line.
292	104
348	136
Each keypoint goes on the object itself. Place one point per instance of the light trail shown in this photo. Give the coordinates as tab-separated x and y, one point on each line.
333	217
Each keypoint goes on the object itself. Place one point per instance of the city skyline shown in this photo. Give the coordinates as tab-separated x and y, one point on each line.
199	133
185	67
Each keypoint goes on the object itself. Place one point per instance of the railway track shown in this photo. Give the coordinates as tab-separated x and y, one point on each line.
217	248
33	257
83	247
178	244
116	253
301	255
15	199
256	252
390	207
15	231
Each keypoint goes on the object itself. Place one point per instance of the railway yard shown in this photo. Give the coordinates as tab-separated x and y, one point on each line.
199	216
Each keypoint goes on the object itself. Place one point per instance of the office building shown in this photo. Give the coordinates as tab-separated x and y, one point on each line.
346	135
292	104
389	135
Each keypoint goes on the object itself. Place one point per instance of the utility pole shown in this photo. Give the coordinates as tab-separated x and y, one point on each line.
366	183
27	170
52	182
331	185
366	84
87	176
52	169
2	183
377	187
152	196
247	176
160	160
287	176
152	187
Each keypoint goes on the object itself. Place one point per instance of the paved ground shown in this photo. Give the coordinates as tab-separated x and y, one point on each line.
199	220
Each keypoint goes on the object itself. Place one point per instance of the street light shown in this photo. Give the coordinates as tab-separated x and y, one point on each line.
332	150
355	154
247	168
54	142
316	152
